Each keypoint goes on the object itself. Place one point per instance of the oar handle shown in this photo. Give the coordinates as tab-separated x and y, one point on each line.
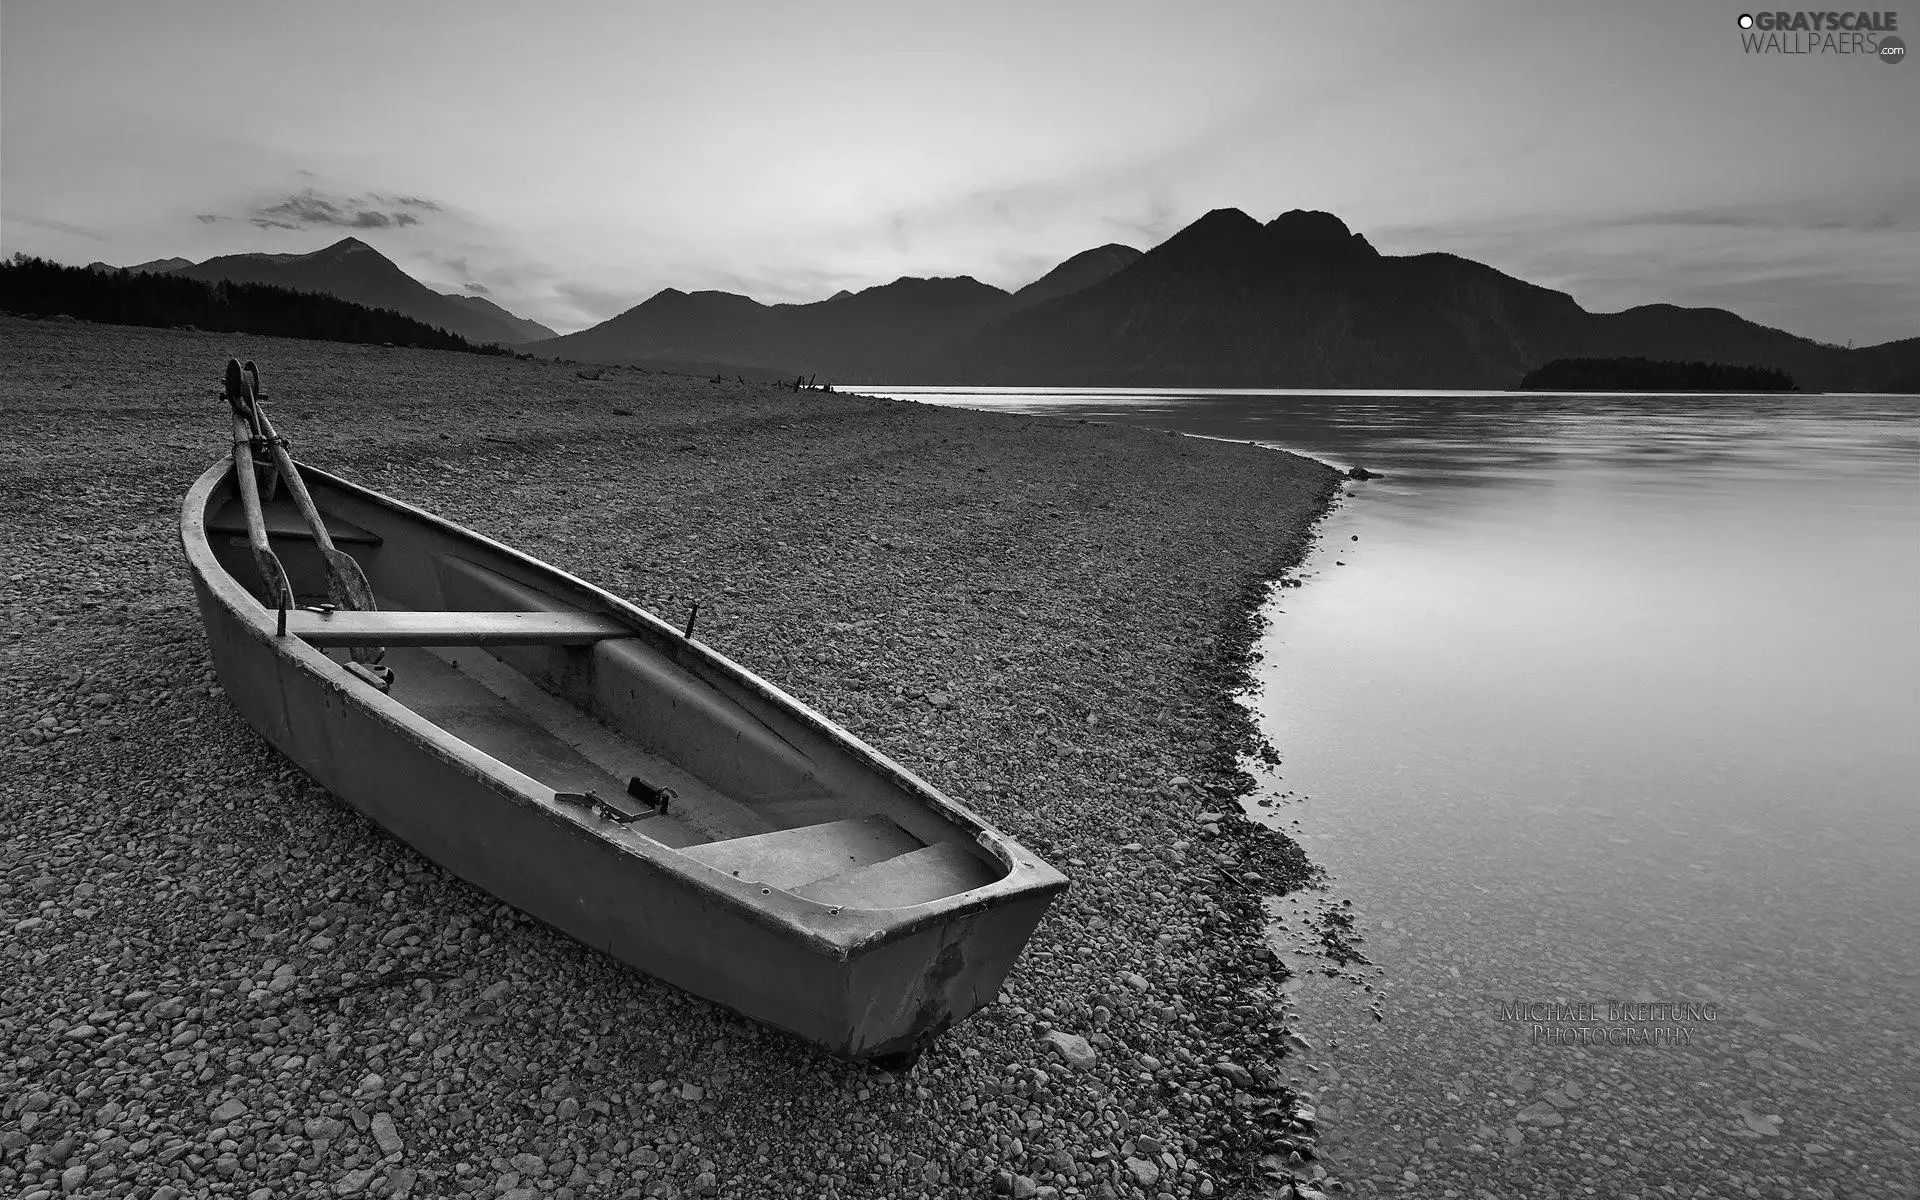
240	397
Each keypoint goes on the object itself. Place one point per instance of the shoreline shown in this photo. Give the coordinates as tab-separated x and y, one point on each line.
1047	618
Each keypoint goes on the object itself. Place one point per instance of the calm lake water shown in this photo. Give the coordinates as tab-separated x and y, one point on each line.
1615	700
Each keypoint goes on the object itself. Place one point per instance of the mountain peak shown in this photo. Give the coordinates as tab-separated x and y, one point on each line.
961	290
1221	227
708	300
1305	229
348	245
930	283
161	266
1083	270
1309	225
1223	220
353	271
1226	239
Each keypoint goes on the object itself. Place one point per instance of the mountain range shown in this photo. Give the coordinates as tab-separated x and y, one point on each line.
884	331
1228	301
1299	301
354	271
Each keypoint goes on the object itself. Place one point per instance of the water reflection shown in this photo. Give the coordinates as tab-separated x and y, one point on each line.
1472	438
1613	698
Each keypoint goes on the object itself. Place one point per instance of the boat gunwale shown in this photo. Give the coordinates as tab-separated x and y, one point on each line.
848	930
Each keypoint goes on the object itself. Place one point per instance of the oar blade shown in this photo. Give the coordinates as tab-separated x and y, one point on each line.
347	588
274	577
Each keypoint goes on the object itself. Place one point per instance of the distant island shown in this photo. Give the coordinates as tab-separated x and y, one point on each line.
1651	375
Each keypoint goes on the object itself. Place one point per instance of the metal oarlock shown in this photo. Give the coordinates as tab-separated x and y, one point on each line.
615	811
654	796
379	677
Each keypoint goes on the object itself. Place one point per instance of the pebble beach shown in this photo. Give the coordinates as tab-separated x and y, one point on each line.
218	979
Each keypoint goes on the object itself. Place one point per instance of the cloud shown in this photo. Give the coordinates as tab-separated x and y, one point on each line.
1870	224
479	289
310	207
1783	217
64	227
379	220
406	201
1779	218
208	218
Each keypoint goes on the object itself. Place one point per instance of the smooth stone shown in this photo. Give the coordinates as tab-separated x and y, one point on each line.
386	1136
1073	1049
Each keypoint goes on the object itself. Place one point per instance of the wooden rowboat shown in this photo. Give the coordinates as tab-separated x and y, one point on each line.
590	765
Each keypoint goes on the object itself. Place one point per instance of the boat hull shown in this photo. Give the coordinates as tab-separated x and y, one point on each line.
858	983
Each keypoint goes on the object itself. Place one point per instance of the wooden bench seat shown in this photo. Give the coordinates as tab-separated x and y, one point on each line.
931	873
788	858
346	627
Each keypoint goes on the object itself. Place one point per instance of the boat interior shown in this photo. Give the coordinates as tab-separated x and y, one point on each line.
667	746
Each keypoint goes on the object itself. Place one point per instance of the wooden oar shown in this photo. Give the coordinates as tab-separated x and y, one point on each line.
272	574
347	585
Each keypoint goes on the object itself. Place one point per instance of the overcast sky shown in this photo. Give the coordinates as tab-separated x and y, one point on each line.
573	158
